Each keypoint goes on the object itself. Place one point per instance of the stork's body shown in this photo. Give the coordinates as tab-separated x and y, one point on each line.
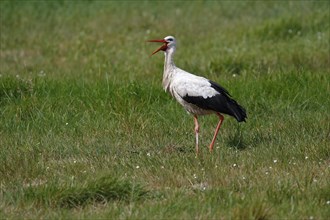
198	95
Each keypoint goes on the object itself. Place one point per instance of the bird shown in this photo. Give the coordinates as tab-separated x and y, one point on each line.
198	95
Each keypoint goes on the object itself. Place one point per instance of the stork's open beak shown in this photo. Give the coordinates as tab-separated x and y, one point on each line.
163	47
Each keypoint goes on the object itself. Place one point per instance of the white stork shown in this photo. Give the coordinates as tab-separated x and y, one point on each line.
198	95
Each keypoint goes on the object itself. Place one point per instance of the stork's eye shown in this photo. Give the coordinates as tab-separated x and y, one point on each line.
170	39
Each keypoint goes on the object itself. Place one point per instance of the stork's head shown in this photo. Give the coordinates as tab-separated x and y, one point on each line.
168	43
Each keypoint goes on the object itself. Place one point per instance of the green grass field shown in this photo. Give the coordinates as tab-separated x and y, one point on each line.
86	130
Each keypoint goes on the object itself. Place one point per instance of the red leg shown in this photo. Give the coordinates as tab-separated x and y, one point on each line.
196	132
216	130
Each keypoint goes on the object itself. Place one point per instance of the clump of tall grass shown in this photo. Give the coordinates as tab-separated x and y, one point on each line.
103	190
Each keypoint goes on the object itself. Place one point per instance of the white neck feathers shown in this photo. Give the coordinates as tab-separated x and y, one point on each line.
169	68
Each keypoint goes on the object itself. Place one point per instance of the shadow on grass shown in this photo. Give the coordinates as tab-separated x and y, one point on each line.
178	149
236	140
255	139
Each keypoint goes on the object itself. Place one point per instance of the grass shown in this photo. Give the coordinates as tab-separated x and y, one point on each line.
86	130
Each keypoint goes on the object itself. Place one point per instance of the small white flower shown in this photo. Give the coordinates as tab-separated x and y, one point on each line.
328	202
42	74
275	161
74	161
148	154
195	176
162	167
234	165
243	177
306	157
266	172
66	123
137	167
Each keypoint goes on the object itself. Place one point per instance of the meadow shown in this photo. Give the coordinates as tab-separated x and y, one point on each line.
86	130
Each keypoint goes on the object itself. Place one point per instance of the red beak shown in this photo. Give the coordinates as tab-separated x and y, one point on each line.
163	47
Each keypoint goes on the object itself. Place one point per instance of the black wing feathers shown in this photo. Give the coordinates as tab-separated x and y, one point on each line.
221	102
219	88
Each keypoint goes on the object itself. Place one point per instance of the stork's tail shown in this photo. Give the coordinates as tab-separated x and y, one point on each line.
236	110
